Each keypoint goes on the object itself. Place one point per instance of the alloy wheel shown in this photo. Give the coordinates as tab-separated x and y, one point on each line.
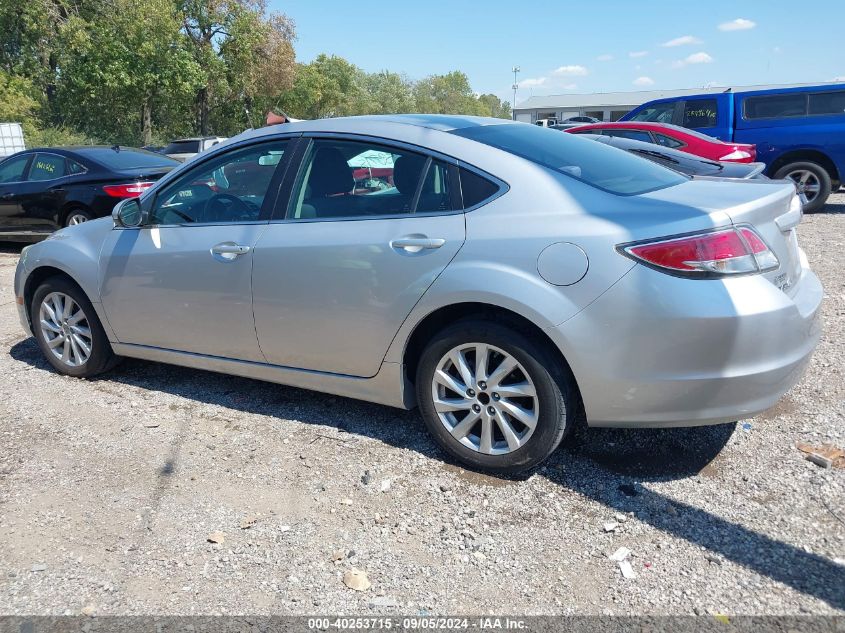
65	329
485	398
807	183
76	218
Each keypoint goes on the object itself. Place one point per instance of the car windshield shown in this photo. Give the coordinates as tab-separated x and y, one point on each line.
125	157
593	163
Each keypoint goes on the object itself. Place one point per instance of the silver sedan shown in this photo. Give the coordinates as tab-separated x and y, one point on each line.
504	278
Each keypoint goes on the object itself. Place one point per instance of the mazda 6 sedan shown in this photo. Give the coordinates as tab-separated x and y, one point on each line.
505	278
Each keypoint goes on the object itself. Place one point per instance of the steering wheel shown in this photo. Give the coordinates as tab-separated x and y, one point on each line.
237	205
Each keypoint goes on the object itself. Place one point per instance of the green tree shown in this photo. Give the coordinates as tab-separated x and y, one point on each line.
495	107
388	93
243	54
116	67
329	86
447	94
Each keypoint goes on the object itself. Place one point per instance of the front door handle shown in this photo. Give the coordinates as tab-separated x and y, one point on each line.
415	244
228	251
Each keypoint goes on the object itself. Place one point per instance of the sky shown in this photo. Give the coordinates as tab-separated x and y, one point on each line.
580	47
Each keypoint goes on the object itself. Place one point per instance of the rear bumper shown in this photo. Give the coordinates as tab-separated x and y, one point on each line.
658	351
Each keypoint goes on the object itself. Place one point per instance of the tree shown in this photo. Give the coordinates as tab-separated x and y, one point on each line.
241	51
328	86
115	67
447	94
495	107
388	93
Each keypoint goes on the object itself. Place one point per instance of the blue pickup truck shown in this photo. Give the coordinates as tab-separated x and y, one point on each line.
799	132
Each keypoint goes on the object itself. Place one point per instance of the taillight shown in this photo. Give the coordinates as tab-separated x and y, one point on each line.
737	251
129	190
739	155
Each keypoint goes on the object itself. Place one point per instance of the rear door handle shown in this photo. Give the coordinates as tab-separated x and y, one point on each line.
228	251
416	244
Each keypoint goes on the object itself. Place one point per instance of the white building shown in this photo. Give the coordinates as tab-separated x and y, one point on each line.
611	106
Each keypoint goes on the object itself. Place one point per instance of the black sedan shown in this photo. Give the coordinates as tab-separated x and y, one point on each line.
42	190
683	162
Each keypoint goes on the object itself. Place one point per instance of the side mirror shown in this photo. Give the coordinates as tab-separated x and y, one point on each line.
127	214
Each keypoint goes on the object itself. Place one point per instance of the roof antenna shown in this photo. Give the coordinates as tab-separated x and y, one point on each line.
116	147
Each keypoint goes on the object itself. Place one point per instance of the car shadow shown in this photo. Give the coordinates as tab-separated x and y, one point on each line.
831	208
13	248
612	467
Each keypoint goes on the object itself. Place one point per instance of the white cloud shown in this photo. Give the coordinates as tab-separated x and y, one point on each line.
695	58
638	54
740	24
643	81
532	82
571	71
605	58
682	41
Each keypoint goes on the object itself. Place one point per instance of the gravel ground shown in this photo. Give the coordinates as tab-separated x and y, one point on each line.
110	489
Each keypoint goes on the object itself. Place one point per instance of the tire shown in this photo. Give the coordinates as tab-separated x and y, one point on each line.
810	172
553	408
55	291
77	216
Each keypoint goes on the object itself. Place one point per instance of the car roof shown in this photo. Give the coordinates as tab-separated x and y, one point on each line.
194	138
402	127
440	122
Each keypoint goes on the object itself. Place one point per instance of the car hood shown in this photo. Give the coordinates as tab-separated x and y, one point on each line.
87	236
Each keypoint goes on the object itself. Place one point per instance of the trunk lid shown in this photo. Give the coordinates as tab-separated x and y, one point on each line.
763	204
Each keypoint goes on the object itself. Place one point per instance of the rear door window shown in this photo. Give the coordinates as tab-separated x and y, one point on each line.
47	167
827	103
775	106
700	113
656	113
343	179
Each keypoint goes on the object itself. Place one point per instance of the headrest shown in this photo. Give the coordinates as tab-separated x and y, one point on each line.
330	173
406	173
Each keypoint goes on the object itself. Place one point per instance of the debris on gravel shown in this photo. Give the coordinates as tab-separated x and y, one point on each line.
100	510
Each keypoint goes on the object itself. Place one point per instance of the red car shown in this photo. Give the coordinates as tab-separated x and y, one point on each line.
673	136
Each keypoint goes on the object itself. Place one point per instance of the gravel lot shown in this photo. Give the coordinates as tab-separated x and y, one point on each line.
110	489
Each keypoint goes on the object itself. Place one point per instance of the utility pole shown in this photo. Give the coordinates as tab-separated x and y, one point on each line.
515	71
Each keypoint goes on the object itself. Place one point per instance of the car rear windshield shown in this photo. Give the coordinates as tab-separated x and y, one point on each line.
594	163
125	158
182	147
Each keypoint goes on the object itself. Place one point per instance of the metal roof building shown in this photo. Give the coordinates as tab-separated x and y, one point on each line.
610	106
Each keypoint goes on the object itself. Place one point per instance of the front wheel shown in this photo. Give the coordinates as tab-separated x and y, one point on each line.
812	182
493	398
68	331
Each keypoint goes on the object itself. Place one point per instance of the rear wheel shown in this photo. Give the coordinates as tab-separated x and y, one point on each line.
68	331
78	216
493	398
812	181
